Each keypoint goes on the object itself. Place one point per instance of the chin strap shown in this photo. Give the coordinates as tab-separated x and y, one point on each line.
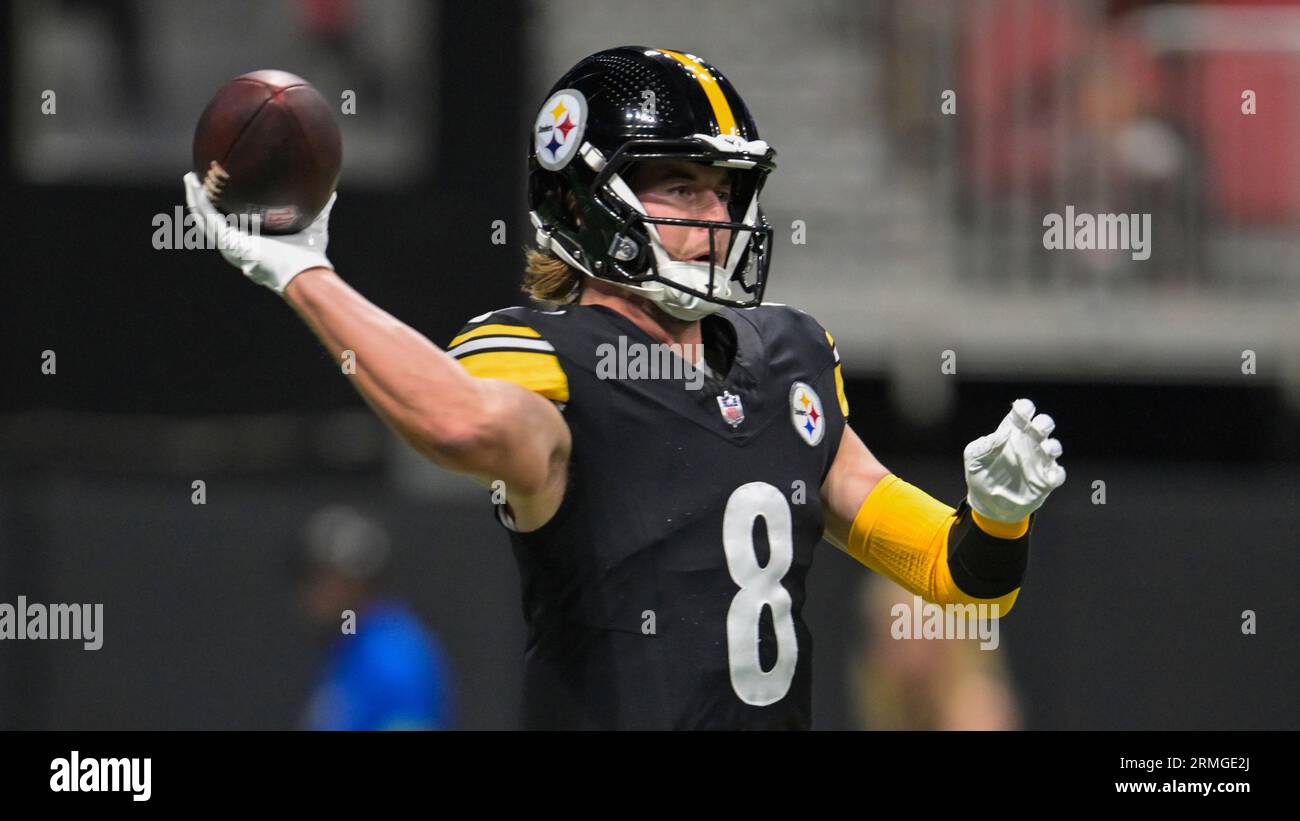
675	303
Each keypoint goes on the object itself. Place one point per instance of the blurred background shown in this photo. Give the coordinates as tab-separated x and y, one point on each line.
921	143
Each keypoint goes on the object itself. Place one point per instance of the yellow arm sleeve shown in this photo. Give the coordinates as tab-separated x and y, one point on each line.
901	532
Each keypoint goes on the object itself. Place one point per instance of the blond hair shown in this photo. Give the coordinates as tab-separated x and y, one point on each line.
547	278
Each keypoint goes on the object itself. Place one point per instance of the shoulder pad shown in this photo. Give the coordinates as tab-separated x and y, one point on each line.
503	345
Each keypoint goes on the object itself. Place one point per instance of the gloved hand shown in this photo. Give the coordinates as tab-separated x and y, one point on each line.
269	260
1010	472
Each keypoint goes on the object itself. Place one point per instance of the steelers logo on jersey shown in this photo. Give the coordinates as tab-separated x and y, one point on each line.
806	413
559	129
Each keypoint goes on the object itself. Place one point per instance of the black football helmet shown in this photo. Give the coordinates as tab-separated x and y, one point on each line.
631	104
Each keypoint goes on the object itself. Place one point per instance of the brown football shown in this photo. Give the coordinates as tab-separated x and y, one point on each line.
268	145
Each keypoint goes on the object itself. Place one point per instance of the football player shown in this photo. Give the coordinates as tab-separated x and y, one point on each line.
663	534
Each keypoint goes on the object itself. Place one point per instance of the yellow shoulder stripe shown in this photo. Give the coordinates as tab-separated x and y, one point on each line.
539	372
839	379
495	330
839	391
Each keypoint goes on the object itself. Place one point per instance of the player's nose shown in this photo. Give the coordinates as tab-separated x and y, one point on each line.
716	209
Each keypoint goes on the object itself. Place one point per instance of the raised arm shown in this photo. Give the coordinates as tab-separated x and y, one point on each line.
486	428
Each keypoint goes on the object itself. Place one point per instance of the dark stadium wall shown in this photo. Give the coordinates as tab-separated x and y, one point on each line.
142	330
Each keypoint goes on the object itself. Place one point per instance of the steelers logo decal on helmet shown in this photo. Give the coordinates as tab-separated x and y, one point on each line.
806	413
559	128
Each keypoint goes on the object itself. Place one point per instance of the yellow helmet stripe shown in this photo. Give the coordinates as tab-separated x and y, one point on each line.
721	108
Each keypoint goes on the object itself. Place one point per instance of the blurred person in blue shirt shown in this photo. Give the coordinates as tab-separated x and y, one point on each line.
384	670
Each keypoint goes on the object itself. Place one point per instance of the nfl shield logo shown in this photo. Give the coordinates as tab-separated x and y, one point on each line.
732	411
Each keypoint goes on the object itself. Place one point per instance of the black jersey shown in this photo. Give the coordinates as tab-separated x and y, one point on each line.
667	591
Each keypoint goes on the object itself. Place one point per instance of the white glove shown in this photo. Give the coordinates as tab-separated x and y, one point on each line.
270	260
1010	472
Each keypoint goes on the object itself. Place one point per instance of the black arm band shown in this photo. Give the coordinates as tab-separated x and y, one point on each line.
985	566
